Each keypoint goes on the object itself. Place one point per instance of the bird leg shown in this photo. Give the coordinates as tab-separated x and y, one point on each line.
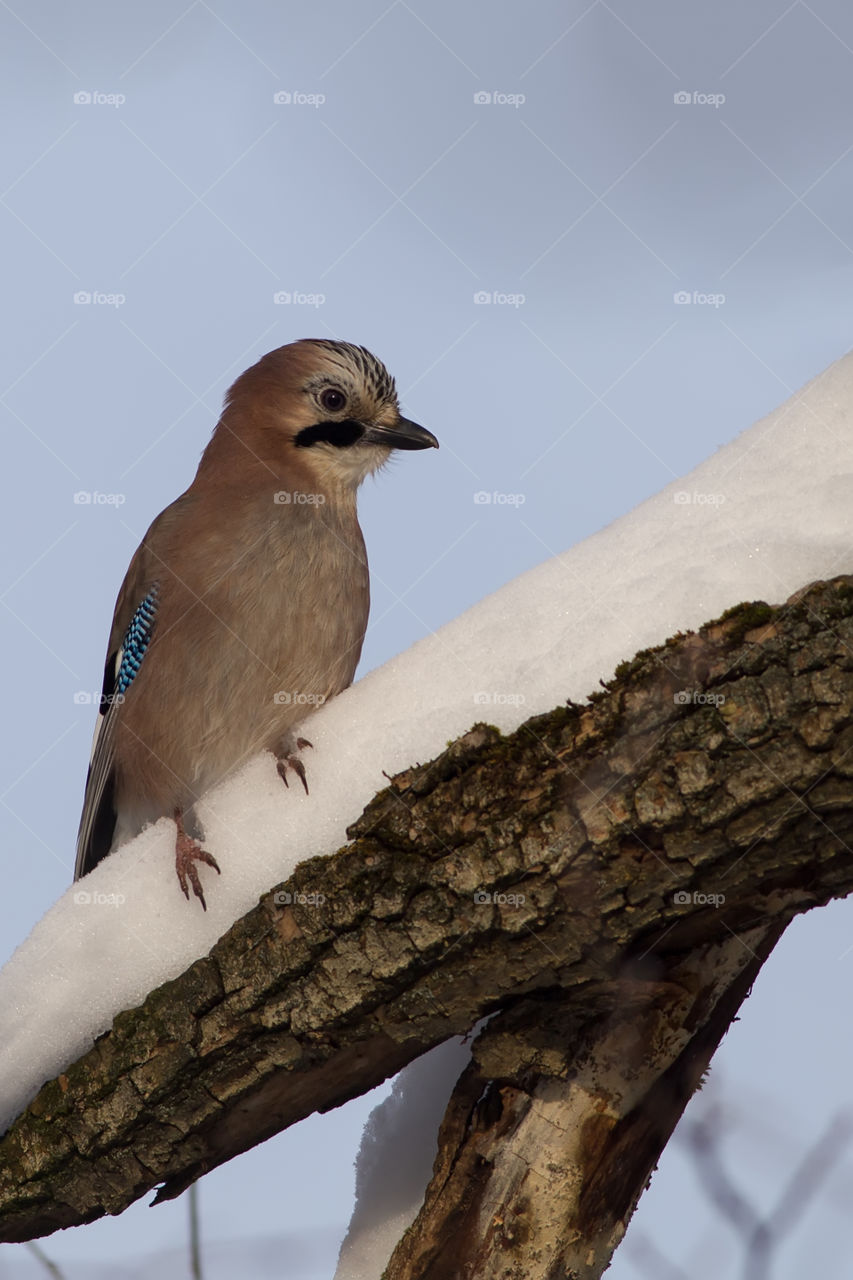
188	852
287	757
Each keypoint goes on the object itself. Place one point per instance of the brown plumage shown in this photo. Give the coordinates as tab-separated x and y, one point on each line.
257	595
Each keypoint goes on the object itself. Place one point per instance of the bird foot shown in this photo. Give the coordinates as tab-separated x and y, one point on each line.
188	852
290	760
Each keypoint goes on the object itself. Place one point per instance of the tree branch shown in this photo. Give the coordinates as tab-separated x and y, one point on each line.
555	875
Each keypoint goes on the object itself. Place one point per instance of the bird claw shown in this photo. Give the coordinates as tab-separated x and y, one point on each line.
188	852
290	760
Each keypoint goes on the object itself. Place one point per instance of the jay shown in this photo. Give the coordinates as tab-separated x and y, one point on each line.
247	599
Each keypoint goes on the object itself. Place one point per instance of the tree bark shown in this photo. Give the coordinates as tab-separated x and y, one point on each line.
606	881
555	1128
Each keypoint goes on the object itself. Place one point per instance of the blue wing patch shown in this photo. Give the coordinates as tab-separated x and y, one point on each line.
98	820
136	641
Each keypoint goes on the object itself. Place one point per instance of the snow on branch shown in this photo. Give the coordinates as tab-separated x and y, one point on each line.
607	880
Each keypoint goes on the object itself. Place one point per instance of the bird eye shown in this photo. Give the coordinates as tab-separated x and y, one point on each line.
332	399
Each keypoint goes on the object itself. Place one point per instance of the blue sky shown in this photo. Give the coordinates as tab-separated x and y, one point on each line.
587	168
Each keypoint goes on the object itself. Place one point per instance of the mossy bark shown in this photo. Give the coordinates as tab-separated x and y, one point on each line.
607	880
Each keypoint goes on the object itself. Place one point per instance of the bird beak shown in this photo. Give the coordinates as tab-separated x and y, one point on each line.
401	434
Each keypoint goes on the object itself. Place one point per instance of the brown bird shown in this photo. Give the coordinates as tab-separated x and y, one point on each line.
246	604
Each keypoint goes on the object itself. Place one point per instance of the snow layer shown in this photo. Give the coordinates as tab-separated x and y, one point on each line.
762	517
768	513
396	1156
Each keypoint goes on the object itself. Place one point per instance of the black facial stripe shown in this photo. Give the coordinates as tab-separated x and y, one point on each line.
340	434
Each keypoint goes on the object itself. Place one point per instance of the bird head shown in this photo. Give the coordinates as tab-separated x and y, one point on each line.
330	406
